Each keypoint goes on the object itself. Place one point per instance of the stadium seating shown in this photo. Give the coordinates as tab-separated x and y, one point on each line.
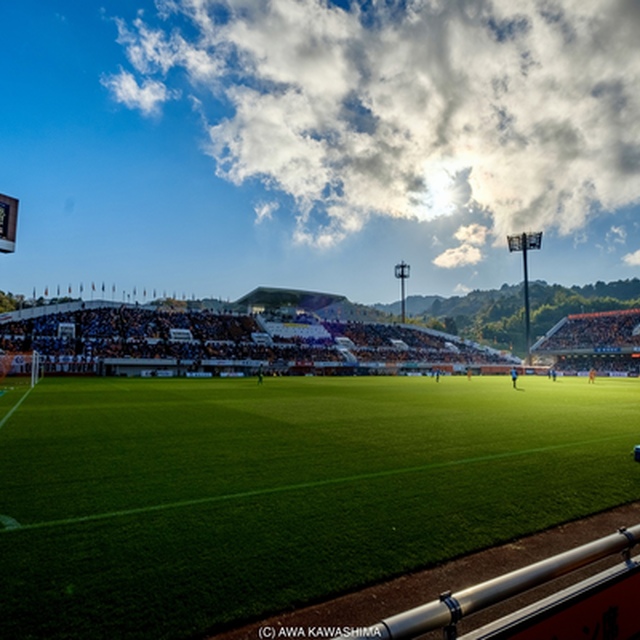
78	341
608	342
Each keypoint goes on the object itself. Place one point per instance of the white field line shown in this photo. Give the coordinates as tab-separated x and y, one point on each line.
14	408
9	523
303	486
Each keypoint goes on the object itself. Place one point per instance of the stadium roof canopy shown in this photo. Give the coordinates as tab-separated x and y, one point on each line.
271	298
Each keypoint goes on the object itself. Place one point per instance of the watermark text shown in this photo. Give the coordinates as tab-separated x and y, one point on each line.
300	632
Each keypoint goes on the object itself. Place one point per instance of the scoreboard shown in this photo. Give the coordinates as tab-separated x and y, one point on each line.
8	223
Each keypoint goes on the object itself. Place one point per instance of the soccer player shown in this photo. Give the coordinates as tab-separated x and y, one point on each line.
514	377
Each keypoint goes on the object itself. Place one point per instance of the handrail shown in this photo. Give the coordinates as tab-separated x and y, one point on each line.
451	608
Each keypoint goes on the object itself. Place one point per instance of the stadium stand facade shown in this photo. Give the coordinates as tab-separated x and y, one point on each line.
607	342
102	338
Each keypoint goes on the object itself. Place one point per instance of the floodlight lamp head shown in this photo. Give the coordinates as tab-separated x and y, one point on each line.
522	241
402	270
515	243
534	240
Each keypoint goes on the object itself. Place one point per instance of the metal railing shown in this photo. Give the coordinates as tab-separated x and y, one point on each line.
451	608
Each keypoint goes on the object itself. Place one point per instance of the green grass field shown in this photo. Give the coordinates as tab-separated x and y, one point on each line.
169	508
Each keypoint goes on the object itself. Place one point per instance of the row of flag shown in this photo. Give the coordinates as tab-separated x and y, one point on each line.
103	290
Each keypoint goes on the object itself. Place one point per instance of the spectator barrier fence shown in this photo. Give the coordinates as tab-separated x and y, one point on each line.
446	612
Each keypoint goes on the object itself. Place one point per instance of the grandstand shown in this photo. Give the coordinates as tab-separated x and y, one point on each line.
280	332
608	342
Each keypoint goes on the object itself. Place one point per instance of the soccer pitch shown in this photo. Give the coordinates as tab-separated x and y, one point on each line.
168	508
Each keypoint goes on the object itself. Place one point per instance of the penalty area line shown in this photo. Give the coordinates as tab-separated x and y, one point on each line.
303	486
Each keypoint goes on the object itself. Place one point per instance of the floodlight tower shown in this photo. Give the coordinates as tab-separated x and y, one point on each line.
526	242
402	272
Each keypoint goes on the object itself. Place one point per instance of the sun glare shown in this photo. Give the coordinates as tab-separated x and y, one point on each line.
443	193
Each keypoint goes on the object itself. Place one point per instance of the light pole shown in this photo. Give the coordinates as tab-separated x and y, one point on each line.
526	242
402	272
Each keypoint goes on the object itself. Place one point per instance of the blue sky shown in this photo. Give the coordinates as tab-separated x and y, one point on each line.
204	148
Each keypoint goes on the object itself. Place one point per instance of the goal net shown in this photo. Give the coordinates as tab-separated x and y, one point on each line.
20	368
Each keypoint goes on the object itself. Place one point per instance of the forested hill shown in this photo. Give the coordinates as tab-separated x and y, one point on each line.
496	316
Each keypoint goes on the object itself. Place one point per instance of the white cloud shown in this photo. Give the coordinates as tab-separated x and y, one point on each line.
470	237
146	97
461	256
264	211
527	109
461	289
632	259
475	234
617	235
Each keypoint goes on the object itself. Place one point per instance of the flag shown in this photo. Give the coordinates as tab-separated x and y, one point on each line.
46	291
103	287
93	286
58	290
34	293
81	288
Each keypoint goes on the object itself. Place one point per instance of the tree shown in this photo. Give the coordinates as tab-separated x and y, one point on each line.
8	302
450	326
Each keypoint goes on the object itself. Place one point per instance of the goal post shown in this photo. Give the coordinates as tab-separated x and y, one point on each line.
35	368
20	366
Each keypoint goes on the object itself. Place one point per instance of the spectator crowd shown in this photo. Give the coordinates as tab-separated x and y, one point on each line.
76	341
595	331
606	342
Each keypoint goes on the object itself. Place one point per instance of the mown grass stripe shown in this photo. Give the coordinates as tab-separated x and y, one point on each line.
14	408
306	485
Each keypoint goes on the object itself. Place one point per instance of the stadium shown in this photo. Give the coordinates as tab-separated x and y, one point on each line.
607	342
282	332
296	464
183	473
